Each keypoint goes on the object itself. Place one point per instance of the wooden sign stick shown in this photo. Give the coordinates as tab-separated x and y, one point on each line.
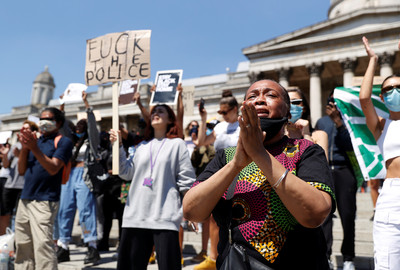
115	126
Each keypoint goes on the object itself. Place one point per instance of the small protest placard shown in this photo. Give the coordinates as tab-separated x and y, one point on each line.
73	93
33	118
127	89
166	84
4	136
117	57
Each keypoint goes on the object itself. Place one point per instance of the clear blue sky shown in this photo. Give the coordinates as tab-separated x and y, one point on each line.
200	37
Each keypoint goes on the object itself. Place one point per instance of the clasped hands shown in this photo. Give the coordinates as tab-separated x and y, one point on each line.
251	138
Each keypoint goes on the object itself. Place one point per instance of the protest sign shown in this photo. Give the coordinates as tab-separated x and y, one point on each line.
166	84
365	148
4	136
127	89
33	118
118	56
73	93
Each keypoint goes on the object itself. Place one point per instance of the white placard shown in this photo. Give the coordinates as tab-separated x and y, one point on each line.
73	93
4	136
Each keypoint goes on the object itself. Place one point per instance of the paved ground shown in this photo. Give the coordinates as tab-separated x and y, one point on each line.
192	243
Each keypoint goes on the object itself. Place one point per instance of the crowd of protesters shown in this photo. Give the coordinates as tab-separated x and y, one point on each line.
263	182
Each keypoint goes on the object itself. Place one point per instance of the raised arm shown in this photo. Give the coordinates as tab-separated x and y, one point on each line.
145	113
372	118
93	132
204	139
180	111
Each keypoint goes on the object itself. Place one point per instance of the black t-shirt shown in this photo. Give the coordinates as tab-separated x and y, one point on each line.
258	218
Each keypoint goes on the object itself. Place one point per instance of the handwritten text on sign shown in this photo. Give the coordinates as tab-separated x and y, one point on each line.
118	56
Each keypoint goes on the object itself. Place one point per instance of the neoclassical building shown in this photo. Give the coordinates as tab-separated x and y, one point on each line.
316	59
330	53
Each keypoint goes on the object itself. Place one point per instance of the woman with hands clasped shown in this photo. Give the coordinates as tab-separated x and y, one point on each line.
161	172
387	214
273	192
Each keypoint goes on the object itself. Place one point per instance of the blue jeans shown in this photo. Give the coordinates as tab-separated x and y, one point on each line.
75	194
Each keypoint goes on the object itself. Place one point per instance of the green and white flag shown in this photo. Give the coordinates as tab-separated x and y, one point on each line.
366	150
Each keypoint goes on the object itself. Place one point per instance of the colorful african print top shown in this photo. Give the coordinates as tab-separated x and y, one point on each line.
258	218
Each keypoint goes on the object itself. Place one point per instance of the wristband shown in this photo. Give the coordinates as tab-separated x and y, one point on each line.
276	185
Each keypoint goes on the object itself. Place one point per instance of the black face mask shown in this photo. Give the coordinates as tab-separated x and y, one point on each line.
272	126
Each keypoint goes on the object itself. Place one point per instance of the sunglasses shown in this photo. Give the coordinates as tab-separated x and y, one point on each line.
46	118
389	87
296	101
224	112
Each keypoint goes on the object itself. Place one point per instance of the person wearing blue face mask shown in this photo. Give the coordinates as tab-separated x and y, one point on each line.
386	230
299	125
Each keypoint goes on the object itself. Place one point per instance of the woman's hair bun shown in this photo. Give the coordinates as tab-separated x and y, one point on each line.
227	93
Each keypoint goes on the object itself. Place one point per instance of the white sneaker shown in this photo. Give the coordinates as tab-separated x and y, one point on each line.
348	265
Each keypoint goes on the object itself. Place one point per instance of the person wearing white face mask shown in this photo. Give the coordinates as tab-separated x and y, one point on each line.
386	231
41	162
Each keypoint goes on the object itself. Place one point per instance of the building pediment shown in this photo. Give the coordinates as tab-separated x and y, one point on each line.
354	25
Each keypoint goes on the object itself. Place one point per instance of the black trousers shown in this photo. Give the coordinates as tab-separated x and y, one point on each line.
111	207
137	244
345	191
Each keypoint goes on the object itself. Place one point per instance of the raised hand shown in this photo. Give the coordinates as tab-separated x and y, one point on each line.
114	135
136	97
179	88
368	49
4	149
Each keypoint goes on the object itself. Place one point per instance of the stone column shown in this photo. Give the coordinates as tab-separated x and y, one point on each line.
35	96
315	92
284	74
348	66
386	61
44	94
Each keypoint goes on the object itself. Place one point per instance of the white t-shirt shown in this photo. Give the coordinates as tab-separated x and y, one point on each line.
227	135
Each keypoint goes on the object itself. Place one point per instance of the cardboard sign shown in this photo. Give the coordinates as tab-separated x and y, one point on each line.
73	93
127	89
117	57
166	84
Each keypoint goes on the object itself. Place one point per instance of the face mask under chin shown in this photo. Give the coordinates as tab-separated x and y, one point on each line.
272	126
